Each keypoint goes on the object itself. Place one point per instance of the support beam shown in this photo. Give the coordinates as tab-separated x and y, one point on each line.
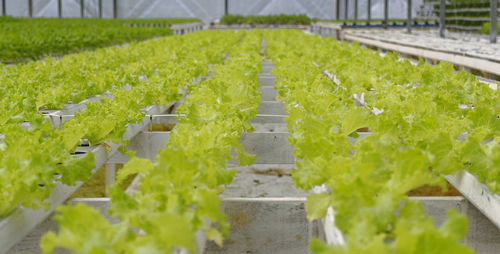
100	9
115	9
346	13
226	7
59	9
369	9
355	9
442	12
4	8
110	176
493	20
409	20
386	13
82	9
30	8
430	54
337	9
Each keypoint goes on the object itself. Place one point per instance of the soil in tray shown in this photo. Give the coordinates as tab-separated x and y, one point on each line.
163	127
95	187
272	171
434	191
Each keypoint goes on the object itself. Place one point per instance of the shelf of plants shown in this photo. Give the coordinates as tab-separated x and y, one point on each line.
130	75
353	130
261	22
424	122
24	39
480	57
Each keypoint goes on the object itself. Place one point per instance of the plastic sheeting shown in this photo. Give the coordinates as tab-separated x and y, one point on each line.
48	8
210	10
397	9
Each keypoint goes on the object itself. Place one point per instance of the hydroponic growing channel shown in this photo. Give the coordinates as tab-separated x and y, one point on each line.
277	142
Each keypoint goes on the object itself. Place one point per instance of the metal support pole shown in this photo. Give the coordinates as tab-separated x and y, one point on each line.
100	9
493	20
369	10
442	6
386	13
82	9
408	22
4	9
346	9
30	8
226	7
110	175
337	9
355	9
59	9
115	9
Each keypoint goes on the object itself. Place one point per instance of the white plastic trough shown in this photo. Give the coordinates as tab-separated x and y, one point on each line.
21	221
184	28
264	208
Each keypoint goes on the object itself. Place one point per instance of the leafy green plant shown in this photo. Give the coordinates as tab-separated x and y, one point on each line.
267	20
424	122
465	9
23	39
485	29
377	20
178	192
133	83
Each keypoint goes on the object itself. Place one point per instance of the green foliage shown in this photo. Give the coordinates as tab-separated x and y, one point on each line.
178	193
153	22
459	12
23	39
375	20
485	29
424	122
37	156
267	20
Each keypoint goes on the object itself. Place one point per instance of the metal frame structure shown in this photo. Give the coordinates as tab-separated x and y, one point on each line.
21	221
226	7
59	9
99	6
356	9
386	14
369	10
337	9
82	9
409	19
442	17
487	203
115	9
493	20
4	8
462	60
346	8
30	8
281	214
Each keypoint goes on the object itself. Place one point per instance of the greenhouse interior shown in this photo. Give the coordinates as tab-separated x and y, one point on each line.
236	126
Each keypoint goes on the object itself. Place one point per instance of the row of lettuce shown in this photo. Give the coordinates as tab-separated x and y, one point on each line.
424	122
281	19
304	20
36	157
485	29
465	15
178	193
24	39
421	123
